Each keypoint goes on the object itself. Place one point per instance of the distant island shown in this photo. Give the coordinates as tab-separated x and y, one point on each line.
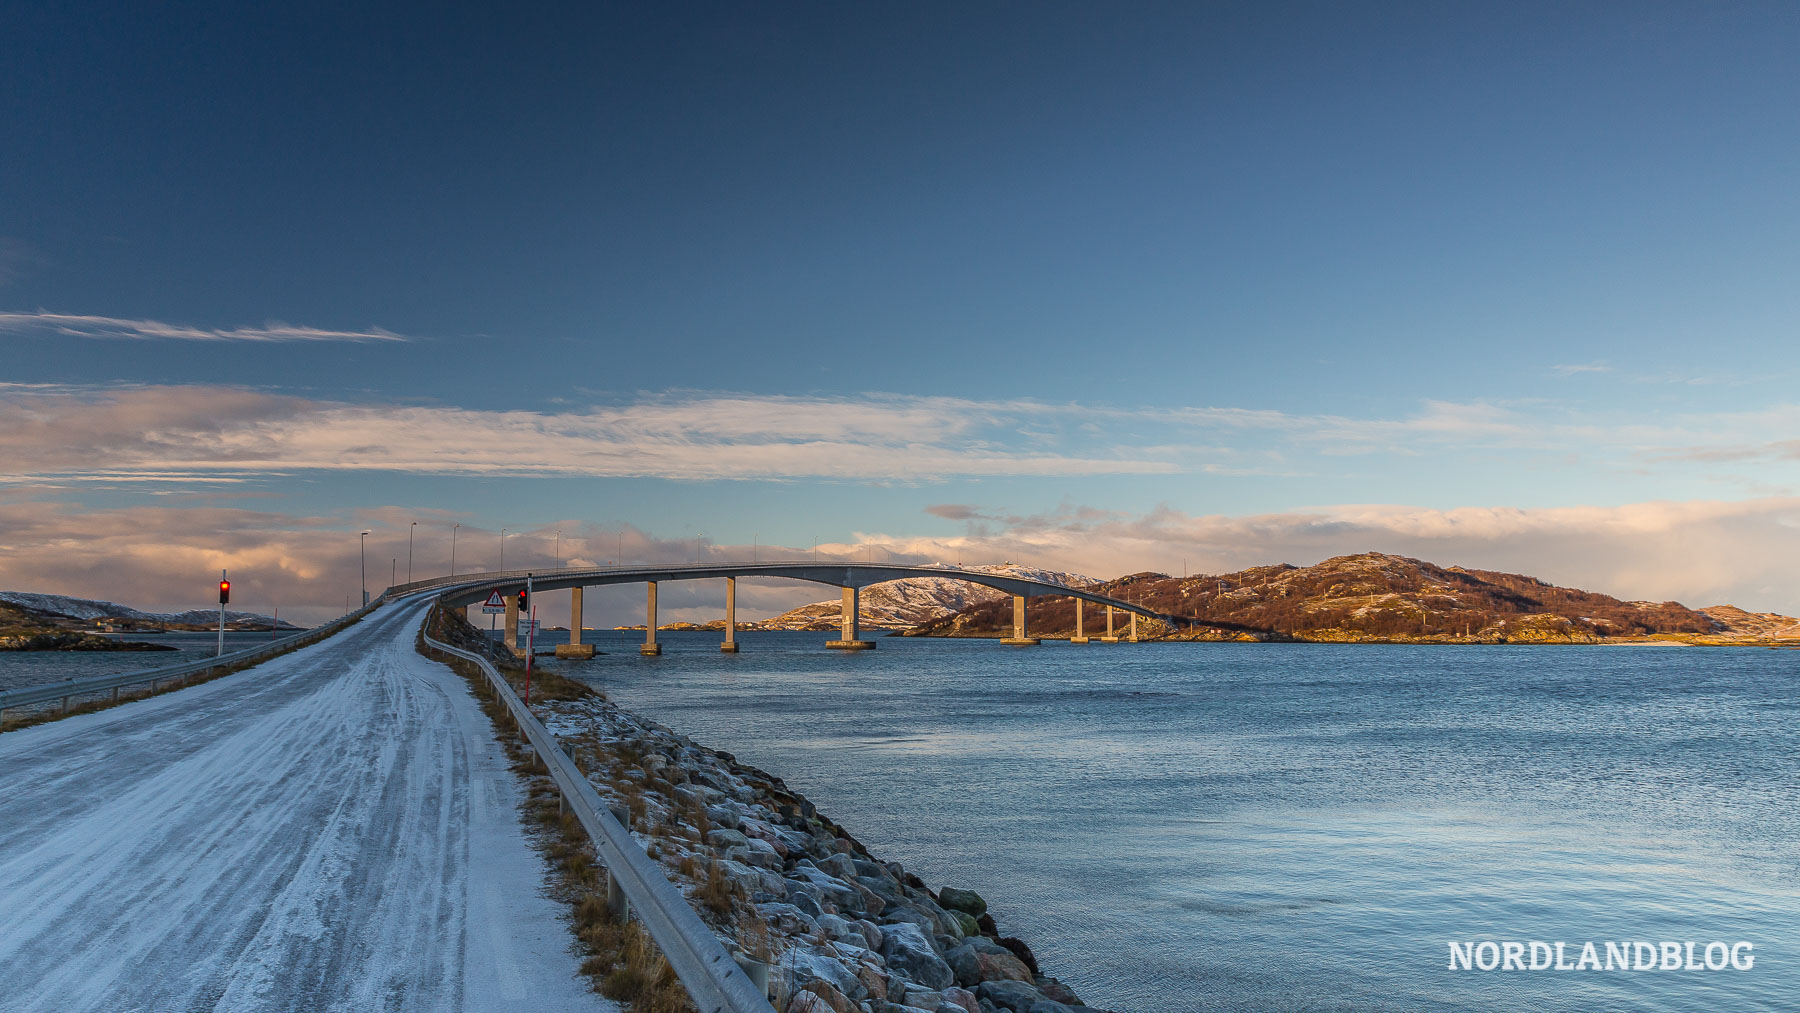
1375	597
30	621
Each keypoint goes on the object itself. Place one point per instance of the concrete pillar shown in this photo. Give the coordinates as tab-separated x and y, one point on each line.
1111	637
850	625
511	629
730	645
1080	636
1134	638
1021	634
575	648
650	644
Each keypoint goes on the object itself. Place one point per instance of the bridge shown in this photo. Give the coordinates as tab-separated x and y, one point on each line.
470	588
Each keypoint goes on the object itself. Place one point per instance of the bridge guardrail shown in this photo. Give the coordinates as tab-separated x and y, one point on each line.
71	688
710	974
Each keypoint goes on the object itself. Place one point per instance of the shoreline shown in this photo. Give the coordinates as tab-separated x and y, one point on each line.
840	929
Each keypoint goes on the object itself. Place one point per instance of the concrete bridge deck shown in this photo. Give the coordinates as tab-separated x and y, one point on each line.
467	589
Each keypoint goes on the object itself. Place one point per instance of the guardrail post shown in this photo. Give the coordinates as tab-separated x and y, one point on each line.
754	969
616	902
115	694
63	708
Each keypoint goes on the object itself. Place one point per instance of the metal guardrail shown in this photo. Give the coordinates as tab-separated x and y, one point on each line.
71	688
710	974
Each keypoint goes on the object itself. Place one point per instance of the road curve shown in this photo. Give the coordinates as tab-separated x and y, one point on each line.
333	830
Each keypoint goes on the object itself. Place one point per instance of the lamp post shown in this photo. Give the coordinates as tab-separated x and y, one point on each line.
363	543
502	548
559	559
453	528
409	541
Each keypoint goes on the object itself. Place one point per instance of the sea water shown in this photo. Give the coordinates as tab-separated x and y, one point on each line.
1295	827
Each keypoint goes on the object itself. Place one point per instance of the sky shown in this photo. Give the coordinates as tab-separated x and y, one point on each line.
1100	288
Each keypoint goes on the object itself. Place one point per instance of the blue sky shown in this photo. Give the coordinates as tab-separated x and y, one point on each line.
794	271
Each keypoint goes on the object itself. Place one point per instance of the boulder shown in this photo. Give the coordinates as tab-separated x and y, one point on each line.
871	932
799	898
966	926
910	952
789	919
962	900
1020	950
962	999
722	838
804	967
1057	991
1010	995
839	865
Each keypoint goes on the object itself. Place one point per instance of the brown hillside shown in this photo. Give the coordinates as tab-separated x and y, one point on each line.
1367	597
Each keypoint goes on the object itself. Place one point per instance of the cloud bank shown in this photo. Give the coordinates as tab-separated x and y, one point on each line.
72	325
164	557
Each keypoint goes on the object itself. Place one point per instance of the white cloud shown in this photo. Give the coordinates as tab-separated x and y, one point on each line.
87	326
112	434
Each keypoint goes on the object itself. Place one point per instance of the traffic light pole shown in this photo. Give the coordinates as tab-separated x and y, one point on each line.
224	593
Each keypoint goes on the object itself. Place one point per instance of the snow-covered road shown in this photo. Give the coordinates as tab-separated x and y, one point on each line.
333	830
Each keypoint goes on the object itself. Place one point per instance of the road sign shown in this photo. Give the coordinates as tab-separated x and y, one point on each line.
527	626
494	604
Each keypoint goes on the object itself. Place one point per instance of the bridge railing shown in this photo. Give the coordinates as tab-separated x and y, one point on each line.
710	974
69	689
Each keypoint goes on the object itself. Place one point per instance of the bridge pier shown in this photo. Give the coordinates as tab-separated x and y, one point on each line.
850	626
1080	636
1021	635
574	648
730	646
650	644
1134	637
511	634
1111	637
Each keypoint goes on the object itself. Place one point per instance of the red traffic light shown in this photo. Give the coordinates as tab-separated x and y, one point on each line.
224	592
522	599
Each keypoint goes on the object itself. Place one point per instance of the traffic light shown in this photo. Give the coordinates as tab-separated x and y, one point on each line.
522	599
224	592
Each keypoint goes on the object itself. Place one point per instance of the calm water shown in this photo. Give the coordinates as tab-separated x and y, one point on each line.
30	668
1187	827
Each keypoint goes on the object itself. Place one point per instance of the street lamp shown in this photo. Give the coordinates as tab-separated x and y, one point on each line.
409	541
559	559
363	543
502	548
453	528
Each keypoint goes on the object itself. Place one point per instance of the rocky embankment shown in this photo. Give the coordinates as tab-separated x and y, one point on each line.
840	929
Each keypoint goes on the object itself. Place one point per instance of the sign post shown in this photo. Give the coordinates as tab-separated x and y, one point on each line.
530	639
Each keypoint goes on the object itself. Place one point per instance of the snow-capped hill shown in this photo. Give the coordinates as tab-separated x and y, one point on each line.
903	604
88	610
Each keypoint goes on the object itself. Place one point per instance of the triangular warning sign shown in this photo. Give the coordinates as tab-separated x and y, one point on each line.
495	601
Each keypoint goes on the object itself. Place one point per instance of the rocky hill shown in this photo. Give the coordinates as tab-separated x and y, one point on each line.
1373	597
55	611
1734	621
904	604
